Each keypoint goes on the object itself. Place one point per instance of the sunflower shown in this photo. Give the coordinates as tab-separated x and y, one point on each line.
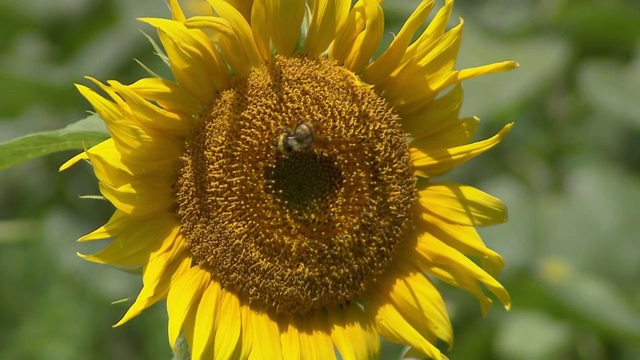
279	192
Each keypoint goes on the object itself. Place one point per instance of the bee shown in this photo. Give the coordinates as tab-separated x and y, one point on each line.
303	137
300	138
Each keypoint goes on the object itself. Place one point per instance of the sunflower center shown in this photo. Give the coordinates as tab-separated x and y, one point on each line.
304	183
296	187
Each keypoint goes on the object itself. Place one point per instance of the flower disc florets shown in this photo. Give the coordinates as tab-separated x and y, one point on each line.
300	230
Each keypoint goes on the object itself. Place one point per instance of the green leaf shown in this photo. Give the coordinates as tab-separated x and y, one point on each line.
84	133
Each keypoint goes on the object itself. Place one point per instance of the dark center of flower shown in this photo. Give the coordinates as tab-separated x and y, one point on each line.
297	186
304	183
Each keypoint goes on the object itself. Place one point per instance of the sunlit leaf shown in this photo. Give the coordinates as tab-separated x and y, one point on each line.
84	133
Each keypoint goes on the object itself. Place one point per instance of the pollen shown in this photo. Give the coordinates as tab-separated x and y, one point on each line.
301	231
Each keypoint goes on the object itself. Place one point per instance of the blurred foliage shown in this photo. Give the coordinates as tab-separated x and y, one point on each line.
569	172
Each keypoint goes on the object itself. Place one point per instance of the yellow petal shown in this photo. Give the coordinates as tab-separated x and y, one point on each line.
141	152
390	59
240	51
111	168
107	110
214	27
260	27
461	204
197	8
343	8
353	335
122	105
107	164
470	73
425	92
119	221
158	275
420	303
366	42
246	335
441	161
189	326
395	328
195	62
348	32
169	95
222	33
176	11
227	335
285	22
184	297
266	337
421	119
129	138
135	243
205	323
434	31
453	267
74	160
421	79
139	198
290	340
243	6
325	17
315	339
458	278
456	133
152	116
462	238
442	82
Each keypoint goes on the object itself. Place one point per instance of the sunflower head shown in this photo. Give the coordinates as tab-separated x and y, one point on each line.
269	190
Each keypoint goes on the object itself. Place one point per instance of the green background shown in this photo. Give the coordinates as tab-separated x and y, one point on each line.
569	172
